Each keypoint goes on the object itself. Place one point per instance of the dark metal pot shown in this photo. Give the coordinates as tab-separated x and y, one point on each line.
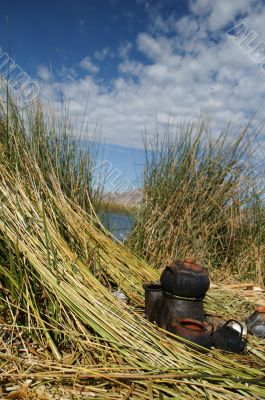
228	339
256	322
170	307
153	292
194	331
185	279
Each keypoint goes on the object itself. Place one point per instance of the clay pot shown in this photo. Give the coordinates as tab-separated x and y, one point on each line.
185	279
256	322
228	339
194	331
153	292
171	307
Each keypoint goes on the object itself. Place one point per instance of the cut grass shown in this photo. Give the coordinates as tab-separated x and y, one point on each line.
58	267
58	290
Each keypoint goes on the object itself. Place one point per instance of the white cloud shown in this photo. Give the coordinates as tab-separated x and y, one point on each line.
220	13
100	55
124	50
88	65
187	26
152	47
185	73
226	11
43	73
131	67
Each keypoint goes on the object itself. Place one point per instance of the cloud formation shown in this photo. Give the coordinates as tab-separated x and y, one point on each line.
88	65
174	71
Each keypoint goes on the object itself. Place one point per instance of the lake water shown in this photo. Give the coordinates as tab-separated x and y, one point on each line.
119	225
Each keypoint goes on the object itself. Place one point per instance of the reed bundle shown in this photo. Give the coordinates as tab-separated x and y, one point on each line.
60	323
57	269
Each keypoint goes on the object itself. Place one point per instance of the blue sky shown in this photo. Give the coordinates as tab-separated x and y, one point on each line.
63	32
125	67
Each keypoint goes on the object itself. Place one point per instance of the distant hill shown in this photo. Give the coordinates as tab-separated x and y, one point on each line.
128	199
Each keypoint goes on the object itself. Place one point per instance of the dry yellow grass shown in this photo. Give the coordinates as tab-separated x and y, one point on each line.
62	328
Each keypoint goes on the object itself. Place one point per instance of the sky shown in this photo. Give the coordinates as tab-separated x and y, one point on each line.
127	68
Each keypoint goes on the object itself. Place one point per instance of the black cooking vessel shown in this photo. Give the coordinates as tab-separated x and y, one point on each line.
228	339
153	292
256	322
170	307
185	279
194	331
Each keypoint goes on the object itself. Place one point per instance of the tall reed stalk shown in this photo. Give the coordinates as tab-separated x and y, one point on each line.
202	200
54	146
